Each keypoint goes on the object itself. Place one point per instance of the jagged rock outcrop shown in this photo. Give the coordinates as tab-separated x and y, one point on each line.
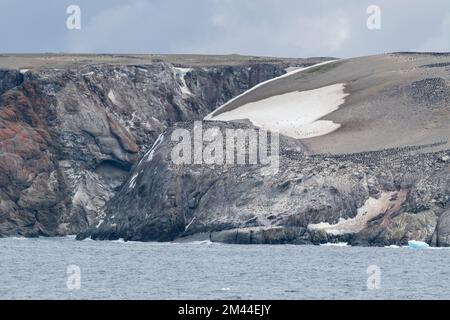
70	134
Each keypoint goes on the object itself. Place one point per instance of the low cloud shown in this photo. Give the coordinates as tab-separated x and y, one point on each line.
440	42
295	28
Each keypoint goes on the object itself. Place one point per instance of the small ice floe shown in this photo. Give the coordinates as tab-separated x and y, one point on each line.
23	71
413	244
338	244
225	289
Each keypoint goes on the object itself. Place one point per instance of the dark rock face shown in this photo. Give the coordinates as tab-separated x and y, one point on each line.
443	230
69	137
9	79
373	198
87	149
32	197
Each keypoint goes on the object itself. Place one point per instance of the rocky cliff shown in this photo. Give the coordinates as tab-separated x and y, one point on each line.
72	127
372	198
86	146
380	177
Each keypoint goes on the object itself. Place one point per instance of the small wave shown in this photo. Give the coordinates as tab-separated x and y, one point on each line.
16	238
196	242
202	242
338	244
122	241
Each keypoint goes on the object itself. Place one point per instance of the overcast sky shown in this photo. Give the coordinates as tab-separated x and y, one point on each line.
289	28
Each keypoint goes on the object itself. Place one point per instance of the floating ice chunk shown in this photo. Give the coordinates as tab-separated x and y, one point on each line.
413	244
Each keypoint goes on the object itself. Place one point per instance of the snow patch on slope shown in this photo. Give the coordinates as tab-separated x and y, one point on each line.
146	158
181	74
133	181
293	69
289	73
149	155
112	97
295	114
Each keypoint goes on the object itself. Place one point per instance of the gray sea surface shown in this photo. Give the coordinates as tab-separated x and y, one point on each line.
63	268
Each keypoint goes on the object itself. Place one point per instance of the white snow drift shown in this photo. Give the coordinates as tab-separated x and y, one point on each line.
295	114
289	71
181	73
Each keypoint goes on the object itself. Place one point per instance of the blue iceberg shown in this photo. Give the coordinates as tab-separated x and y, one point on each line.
413	244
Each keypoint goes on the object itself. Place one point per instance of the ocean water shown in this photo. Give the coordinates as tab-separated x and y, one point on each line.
44	269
